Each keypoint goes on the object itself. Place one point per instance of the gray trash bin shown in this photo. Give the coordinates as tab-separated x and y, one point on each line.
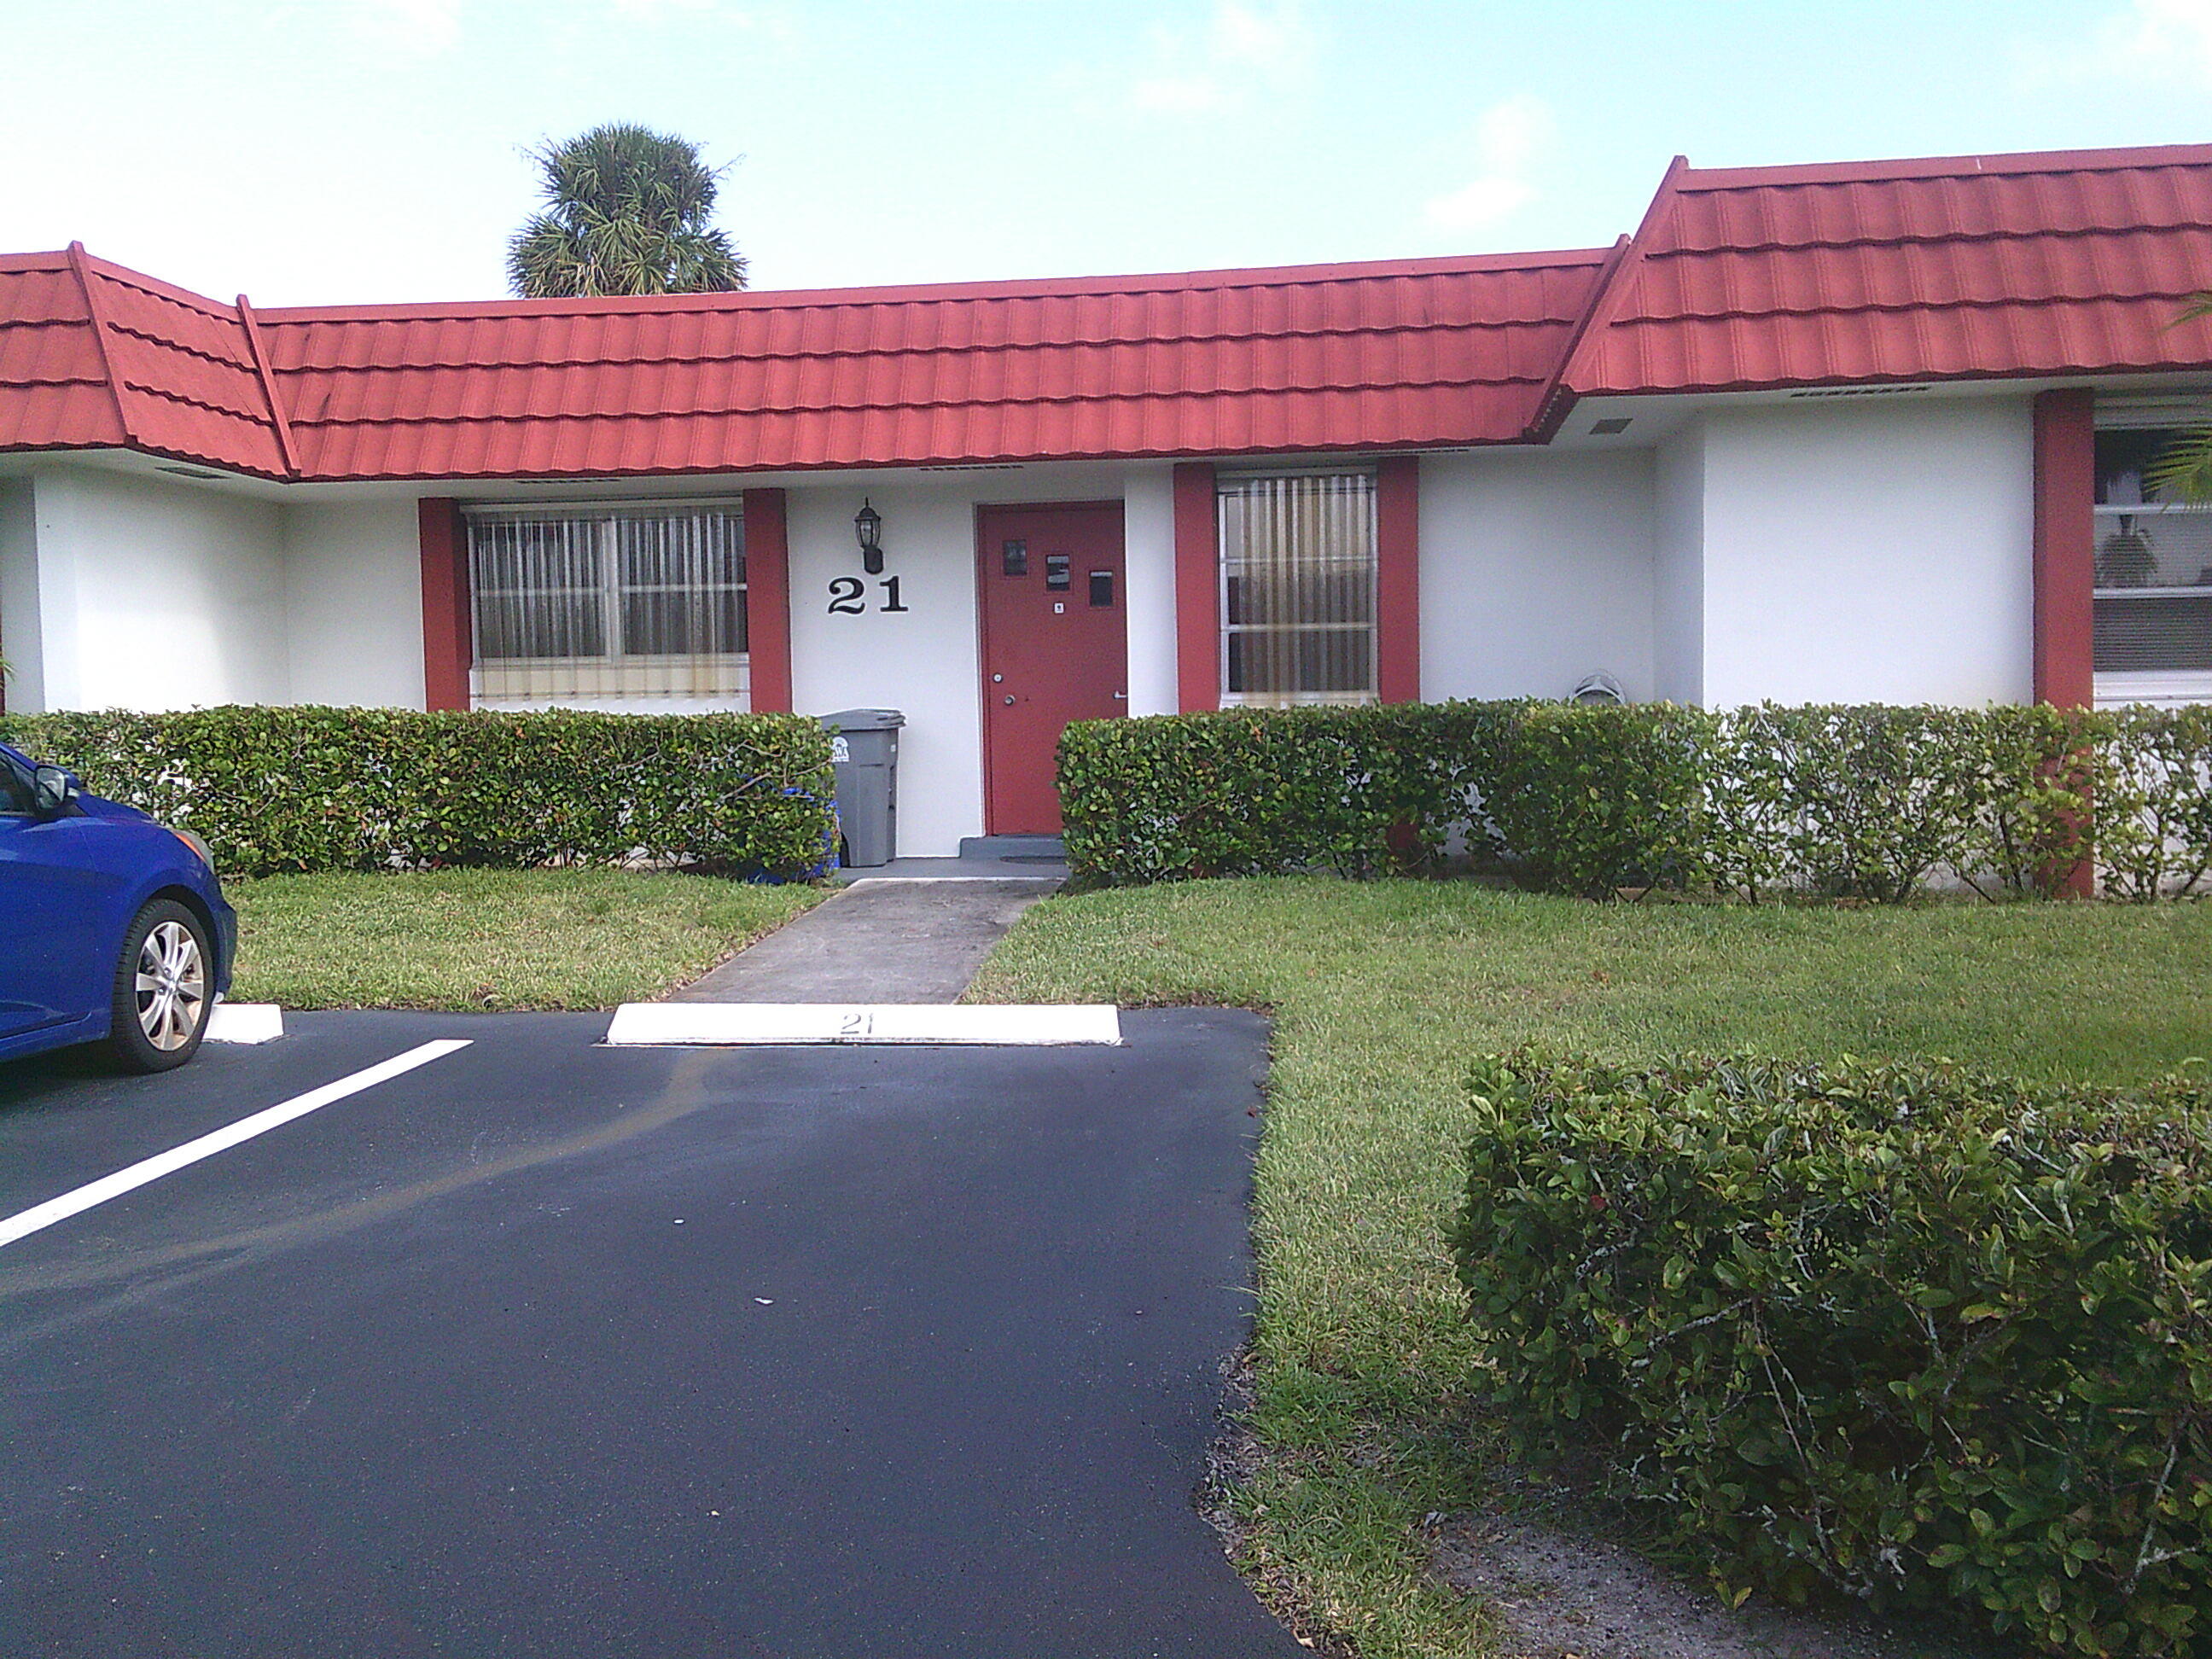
864	745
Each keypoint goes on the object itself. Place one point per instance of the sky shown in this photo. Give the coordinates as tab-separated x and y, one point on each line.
338	151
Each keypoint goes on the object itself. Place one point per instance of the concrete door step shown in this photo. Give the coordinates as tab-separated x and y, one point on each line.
758	1024
1015	849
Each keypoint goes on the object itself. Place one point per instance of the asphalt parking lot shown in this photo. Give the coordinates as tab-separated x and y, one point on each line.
546	1348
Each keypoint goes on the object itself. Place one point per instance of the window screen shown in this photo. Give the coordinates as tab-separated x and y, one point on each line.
1298	589
2153	581
623	603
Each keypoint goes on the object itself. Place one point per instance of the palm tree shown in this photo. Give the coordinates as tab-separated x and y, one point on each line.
2186	469
626	212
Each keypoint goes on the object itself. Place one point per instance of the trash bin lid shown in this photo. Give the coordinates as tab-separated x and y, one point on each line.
863	720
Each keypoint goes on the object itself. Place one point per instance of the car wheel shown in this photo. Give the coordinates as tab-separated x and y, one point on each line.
161	989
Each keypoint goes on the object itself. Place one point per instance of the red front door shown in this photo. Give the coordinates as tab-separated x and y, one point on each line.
1054	647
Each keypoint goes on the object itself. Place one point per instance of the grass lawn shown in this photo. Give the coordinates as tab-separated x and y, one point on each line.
492	939
1364	1410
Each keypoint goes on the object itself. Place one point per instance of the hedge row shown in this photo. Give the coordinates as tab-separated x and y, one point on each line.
1860	801
1932	1339
311	789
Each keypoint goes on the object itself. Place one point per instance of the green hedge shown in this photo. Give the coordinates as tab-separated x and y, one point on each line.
1932	1339
1869	802
310	789
1248	792
1584	799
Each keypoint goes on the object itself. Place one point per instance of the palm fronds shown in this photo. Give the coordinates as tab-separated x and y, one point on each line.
626	211
2185	470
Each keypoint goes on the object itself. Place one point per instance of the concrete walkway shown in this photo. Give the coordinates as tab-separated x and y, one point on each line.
880	939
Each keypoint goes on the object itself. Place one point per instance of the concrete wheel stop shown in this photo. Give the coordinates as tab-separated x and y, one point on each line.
769	1024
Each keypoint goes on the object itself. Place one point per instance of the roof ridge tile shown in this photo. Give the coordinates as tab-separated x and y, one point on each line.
1343	273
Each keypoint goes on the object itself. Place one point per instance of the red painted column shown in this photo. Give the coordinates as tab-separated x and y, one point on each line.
767	600
1397	579
2066	546
2066	576
447	645
1197	588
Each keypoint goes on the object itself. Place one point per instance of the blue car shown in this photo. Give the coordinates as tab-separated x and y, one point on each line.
112	928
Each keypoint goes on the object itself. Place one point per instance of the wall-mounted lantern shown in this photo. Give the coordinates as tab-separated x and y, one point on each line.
868	525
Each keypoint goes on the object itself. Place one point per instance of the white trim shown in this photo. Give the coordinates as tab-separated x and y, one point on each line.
2163	688
2119	411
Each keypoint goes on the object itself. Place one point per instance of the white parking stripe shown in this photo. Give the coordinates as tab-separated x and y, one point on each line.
26	1222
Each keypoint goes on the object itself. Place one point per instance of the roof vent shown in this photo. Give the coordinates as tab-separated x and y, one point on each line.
1610	426
188	472
1858	391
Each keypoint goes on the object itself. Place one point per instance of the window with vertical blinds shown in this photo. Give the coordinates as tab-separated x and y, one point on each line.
1297	588
2153	573
609	602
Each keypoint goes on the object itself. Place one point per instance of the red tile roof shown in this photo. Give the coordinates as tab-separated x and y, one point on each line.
93	355
1449	352
1978	266
54	391
1975	267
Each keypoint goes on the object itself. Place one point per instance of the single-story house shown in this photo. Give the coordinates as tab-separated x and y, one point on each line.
1864	432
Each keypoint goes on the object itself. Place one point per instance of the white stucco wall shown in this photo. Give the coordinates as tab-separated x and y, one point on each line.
1536	570
20	646
353	602
1678	618
1148	533
1877	551
922	662
154	596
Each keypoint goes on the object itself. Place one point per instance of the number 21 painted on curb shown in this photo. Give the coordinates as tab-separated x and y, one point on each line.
846	596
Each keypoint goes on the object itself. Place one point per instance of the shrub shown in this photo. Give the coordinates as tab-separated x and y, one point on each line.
1262	791
311	789
1584	799
1871	802
2152	783
1927	1338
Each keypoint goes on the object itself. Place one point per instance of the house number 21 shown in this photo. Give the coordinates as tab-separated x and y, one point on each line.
848	595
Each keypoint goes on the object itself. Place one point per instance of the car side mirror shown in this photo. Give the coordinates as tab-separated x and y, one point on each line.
51	791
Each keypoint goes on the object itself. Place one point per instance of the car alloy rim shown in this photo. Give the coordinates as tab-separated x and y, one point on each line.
171	985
